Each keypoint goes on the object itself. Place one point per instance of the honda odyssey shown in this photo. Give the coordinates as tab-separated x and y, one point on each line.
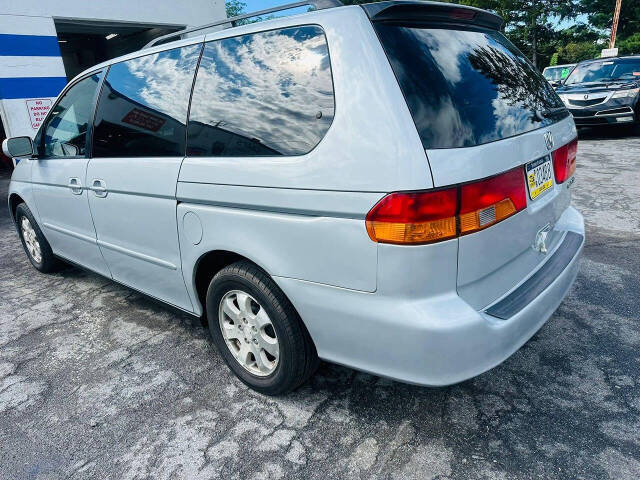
385	186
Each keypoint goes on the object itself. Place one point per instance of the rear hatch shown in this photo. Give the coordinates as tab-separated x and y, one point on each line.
481	109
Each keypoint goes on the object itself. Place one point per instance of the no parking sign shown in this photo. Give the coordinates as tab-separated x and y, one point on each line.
38	109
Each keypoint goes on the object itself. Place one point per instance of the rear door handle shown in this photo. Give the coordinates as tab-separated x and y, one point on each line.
75	186
99	188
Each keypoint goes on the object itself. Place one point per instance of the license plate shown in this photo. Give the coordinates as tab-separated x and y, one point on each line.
539	176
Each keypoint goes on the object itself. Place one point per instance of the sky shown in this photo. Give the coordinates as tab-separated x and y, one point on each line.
253	5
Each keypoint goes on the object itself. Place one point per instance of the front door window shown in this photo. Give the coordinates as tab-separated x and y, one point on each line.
65	133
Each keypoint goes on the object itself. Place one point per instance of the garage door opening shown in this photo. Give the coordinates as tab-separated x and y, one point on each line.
84	43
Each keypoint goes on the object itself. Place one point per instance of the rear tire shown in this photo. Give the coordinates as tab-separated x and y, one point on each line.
34	243
264	342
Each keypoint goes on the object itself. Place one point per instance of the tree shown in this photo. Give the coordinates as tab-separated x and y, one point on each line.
526	22
237	7
629	45
600	15
234	8
574	52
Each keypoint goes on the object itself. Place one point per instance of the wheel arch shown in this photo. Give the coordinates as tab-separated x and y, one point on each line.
14	201
210	263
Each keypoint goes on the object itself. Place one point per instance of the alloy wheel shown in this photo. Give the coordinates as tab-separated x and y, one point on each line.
249	333
31	240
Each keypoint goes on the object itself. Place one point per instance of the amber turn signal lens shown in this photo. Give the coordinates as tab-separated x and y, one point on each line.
414	217
412	233
474	221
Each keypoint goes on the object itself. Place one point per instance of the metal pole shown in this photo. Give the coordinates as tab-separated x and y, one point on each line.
614	27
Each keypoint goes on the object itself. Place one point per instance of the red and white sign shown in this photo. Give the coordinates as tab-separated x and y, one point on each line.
38	109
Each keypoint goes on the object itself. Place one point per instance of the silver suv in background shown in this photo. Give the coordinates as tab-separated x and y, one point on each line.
385	186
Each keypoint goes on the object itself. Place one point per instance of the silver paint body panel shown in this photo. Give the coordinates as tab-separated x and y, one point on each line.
413	313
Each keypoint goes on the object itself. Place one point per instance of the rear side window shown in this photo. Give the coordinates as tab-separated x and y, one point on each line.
264	94
467	87
143	105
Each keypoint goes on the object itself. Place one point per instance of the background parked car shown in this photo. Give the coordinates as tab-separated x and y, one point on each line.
604	91
557	73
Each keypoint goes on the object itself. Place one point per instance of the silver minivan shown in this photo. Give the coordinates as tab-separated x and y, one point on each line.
384	186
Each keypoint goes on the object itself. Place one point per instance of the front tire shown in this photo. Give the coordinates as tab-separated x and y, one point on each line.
258	331
34	243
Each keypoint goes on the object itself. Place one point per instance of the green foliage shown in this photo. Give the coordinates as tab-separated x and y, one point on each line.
629	45
574	52
237	7
532	25
234	8
600	15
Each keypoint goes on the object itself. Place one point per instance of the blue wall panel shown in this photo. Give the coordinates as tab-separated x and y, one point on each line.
29	46
31	87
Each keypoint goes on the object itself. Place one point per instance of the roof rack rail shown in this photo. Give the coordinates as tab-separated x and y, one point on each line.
318	4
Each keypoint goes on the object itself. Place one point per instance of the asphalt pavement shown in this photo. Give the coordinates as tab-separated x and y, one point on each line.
98	382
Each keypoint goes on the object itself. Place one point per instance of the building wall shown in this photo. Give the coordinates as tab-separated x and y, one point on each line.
170	12
31	71
31	68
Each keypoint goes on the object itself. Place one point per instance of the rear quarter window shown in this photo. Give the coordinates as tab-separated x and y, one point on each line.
466	87
263	94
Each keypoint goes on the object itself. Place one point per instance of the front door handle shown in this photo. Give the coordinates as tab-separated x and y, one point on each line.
75	186
99	188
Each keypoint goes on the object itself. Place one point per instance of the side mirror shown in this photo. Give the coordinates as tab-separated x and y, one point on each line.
69	149
17	147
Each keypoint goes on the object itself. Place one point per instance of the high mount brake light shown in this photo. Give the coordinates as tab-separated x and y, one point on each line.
462	14
564	161
413	218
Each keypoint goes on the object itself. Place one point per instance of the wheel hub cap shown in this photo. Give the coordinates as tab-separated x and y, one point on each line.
248	333
31	240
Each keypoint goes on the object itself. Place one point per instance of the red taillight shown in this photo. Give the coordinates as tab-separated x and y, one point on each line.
424	217
488	201
413	218
564	161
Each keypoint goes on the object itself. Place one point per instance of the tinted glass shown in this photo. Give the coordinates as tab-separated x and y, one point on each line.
65	133
606	70
143	105
554	73
264	94
467	87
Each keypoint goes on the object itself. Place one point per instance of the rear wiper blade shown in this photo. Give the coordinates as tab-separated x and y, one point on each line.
552	111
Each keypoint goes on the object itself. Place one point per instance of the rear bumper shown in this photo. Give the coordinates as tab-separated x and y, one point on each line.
439	340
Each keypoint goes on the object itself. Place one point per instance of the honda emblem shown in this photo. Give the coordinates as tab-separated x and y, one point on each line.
548	140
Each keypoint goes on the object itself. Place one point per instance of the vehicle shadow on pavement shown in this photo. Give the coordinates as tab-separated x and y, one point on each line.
609	132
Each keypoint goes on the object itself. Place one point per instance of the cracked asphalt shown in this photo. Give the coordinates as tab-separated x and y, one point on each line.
98	382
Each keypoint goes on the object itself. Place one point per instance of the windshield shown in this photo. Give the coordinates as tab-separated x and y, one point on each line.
605	71
556	73
466	87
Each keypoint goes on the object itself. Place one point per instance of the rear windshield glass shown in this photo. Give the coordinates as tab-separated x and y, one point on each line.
467	87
